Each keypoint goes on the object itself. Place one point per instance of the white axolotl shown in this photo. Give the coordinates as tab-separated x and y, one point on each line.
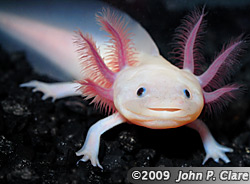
145	89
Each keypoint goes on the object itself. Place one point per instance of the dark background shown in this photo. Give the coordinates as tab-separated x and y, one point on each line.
38	139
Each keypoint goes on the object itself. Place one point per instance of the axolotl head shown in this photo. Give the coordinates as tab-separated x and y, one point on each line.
146	89
156	94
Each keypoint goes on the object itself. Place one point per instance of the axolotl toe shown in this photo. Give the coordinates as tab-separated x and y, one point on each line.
146	89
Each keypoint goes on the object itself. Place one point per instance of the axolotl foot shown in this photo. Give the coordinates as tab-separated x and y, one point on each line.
213	149
89	154
54	90
46	89
216	151
90	148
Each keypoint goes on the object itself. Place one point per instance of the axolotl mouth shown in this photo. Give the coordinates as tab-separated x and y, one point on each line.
155	112
156	109
157	117
165	109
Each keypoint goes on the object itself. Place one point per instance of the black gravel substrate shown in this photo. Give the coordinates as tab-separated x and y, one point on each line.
38	139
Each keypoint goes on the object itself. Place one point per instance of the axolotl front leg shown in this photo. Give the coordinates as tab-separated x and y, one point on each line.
55	90
213	149
90	149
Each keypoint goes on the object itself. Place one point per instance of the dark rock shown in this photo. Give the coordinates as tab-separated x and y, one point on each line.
164	162
22	171
145	157
7	150
128	141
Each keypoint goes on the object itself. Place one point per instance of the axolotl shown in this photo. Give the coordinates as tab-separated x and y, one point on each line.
147	90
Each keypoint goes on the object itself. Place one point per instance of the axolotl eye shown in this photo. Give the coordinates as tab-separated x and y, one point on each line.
141	91
186	93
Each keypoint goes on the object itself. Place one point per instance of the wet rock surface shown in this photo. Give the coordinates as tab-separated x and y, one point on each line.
38	139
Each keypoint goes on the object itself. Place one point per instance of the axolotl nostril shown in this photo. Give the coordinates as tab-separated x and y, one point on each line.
147	90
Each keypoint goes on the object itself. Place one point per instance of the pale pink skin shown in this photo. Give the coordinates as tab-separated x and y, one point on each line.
43	39
56	44
164	104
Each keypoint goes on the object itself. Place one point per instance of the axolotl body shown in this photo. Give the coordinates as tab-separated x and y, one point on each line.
145	89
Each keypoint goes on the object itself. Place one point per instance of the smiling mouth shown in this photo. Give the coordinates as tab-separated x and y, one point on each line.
165	109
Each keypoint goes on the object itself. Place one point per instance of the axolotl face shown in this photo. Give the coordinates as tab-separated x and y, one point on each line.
158	95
